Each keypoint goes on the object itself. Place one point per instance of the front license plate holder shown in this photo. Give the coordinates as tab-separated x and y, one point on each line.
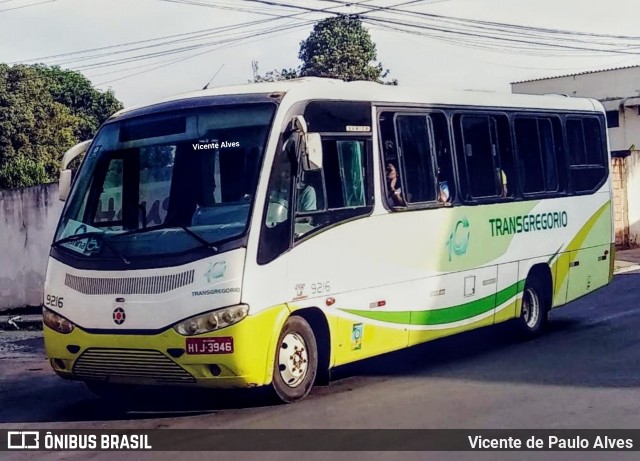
201	346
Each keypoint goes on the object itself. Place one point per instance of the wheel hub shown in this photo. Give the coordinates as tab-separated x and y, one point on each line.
293	359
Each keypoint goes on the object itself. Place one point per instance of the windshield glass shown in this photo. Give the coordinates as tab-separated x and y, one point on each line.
167	183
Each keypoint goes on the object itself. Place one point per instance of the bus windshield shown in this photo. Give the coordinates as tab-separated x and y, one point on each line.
167	183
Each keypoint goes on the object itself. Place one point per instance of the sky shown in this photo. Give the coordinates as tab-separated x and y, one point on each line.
35	30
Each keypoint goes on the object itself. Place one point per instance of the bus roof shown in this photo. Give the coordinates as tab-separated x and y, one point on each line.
326	88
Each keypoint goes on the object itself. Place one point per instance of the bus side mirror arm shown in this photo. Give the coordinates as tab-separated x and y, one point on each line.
64	183
309	145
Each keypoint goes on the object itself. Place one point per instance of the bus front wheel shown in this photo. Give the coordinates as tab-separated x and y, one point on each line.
535	308
296	361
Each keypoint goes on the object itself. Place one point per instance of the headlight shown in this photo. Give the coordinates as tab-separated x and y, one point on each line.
212	321
56	322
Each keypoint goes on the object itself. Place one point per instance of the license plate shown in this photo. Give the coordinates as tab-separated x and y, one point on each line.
210	345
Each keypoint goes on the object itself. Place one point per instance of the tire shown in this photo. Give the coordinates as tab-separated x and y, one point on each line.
295	361
536	302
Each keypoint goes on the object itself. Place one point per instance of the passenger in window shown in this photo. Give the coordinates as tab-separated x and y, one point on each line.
393	185
444	194
307	200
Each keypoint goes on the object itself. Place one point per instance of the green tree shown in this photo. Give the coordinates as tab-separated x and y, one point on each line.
341	47
43	112
273	75
75	91
338	47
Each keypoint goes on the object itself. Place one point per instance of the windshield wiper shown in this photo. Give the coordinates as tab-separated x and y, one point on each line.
88	235
205	243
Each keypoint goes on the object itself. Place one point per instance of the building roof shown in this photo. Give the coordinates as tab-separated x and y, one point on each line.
573	75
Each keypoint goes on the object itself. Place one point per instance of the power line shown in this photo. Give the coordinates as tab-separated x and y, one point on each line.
470	33
483	45
26	6
179	50
196	55
111	50
507	63
80	56
223	6
491	35
521	28
168	39
519	37
488	37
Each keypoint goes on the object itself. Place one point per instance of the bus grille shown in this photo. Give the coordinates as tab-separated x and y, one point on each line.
129	285
140	365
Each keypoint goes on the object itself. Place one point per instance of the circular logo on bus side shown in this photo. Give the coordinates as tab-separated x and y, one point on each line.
119	316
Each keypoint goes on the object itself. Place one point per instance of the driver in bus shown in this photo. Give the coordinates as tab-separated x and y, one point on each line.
306	197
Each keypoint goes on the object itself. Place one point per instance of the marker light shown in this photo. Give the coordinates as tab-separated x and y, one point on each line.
56	322
212	321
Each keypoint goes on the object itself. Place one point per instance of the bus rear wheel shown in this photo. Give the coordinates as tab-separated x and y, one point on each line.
535	308
296	361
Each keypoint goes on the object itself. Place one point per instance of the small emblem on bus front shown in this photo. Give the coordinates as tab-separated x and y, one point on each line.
216	270
119	316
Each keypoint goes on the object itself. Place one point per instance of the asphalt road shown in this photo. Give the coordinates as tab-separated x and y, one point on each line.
583	373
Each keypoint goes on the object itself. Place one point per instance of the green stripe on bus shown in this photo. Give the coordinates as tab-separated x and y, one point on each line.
447	314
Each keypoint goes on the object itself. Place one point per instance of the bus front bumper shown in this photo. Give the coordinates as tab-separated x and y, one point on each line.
165	358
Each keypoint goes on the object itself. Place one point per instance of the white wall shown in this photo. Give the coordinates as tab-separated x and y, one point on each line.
28	218
628	133
633	196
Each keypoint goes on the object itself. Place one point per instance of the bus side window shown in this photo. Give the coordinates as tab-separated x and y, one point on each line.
485	156
537	153
476	156
587	155
341	189
391	159
445	172
506	171
417	169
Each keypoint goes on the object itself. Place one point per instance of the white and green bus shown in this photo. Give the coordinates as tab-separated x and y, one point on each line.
263	234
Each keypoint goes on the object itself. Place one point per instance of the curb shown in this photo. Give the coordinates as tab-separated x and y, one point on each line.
625	269
20	322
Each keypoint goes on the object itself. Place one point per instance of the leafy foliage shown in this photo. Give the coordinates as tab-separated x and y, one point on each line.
43	112
338	47
273	75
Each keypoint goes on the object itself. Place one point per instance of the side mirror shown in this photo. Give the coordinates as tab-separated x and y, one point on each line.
64	184
312	153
